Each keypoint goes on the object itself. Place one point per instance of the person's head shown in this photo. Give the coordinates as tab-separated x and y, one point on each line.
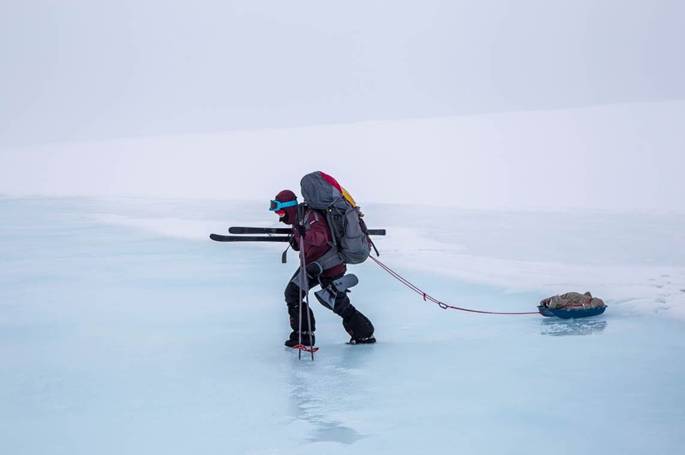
285	206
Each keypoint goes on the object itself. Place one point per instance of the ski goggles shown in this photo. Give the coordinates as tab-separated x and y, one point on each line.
278	206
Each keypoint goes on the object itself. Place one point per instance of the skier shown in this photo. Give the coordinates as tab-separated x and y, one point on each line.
316	243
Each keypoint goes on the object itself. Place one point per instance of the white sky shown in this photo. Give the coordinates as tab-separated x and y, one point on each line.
82	69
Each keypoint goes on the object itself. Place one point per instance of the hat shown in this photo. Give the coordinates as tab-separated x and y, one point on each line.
285	196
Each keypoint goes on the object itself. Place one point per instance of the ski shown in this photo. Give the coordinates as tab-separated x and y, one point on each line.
286	231
258	230
243	238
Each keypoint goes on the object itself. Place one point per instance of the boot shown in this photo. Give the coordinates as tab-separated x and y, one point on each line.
358	327
367	340
292	340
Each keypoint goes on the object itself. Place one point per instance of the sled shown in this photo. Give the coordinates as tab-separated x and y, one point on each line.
571	312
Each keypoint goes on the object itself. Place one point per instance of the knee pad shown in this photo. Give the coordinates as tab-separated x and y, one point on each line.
332	295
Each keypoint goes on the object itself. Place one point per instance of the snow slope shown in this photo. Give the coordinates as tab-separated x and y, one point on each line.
616	157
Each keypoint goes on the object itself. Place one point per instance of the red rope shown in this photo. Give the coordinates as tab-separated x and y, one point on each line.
427	297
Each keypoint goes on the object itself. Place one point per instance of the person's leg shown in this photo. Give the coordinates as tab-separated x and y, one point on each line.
358	326
293	301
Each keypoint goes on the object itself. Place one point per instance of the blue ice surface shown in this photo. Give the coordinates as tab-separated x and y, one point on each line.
119	340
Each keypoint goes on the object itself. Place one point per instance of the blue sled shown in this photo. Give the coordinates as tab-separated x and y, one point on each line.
565	313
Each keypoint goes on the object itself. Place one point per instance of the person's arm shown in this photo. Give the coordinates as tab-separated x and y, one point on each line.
294	240
316	238
316	234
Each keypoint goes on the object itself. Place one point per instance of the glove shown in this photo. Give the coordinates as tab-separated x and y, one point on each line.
314	269
293	243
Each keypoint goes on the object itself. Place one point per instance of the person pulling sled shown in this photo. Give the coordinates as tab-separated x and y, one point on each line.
328	230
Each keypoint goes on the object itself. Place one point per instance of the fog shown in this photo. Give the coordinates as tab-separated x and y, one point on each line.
78	70
621	157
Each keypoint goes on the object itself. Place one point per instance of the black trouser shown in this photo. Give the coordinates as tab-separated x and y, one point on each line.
355	323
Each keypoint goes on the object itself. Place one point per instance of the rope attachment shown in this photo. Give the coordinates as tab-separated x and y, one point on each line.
428	298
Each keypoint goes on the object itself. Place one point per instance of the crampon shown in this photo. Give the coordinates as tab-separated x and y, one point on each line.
302	347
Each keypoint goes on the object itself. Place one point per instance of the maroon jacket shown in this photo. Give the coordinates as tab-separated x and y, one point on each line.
317	241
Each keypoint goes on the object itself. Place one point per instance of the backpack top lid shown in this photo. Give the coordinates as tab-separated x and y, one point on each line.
321	191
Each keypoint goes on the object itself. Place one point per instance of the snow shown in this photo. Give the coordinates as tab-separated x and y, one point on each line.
618	157
123	329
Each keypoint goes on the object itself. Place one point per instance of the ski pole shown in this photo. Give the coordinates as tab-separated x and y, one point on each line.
299	315
304	287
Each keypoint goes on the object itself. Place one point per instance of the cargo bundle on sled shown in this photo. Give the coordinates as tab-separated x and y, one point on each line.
571	305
